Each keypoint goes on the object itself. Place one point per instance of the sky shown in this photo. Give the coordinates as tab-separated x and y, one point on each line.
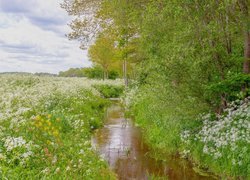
32	38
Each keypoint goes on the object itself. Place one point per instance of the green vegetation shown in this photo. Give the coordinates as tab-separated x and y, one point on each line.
95	72
186	69
187	58
46	125
110	91
224	140
73	72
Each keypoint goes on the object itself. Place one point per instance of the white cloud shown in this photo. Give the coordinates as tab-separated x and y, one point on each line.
32	38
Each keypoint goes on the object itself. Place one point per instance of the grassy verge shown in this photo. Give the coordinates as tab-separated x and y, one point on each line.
159	113
172	124
46	126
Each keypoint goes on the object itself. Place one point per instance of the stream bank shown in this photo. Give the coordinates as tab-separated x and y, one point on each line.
121	144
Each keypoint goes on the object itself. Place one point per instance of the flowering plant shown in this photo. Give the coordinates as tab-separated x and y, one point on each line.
223	140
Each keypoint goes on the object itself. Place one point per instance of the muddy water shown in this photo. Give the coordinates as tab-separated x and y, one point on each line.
120	143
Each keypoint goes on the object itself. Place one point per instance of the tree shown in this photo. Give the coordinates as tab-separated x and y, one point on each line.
245	17
95	17
103	53
190	43
122	14
85	25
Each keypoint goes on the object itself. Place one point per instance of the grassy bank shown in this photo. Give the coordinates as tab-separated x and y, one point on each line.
46	125
171	125
160	114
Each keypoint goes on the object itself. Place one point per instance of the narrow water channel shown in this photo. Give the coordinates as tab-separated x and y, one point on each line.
120	143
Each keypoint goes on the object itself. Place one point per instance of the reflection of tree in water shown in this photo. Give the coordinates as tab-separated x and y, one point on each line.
101	137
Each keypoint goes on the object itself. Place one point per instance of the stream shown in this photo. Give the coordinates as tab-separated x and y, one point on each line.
120	143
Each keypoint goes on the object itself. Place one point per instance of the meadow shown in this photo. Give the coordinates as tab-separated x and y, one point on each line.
46	125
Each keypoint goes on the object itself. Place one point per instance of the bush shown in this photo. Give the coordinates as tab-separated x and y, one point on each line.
95	72
109	91
113	75
231	87
73	72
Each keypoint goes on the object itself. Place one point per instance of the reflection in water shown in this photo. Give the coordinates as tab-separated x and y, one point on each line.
120	143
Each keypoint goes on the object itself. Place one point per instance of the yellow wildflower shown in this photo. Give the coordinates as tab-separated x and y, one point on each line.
49	123
38	117
39	124
55	133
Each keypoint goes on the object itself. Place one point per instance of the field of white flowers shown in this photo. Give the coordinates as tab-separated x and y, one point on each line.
45	127
223	141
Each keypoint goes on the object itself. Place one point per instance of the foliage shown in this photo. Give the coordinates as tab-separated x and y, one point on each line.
113	75
231	87
110	91
73	72
103	53
45	74
85	25
95	72
188	70
160	113
46	125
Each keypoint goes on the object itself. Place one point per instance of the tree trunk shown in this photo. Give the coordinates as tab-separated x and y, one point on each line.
244	7
103	76
125	72
246	65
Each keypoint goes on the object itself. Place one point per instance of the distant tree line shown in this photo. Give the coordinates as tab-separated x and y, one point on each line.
45	74
27	73
95	72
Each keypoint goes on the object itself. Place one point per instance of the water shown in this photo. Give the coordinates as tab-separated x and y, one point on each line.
120	143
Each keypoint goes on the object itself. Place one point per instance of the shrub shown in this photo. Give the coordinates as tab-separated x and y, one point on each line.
109	91
231	87
113	74
95	72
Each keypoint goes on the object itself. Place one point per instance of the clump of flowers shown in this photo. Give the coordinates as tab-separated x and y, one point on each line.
12	143
16	150
225	139
47	128
130	96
